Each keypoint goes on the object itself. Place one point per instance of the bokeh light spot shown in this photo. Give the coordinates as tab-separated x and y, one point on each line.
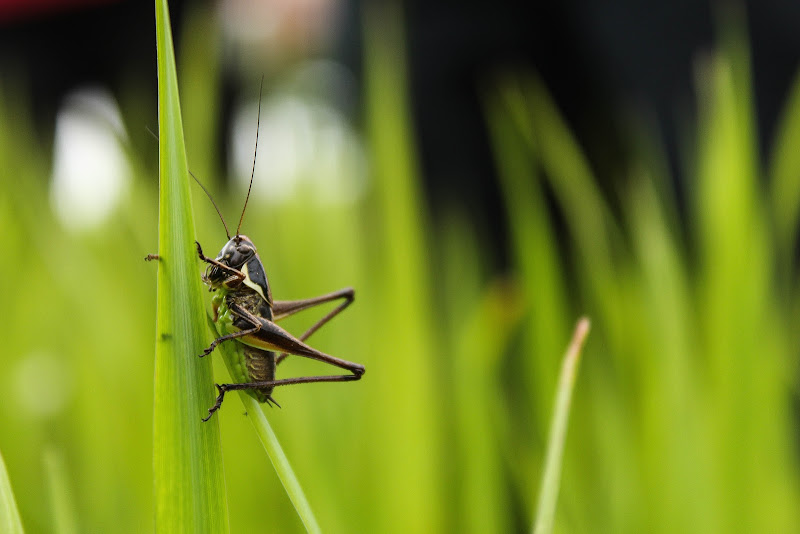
90	170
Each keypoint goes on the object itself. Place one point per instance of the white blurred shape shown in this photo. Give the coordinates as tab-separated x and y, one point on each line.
42	384
279	28
281	149
305	143
338	165
249	21
90	170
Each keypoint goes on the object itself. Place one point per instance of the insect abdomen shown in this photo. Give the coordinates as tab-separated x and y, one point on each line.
260	368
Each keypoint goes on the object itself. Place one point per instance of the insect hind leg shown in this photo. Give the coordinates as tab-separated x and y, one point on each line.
283	309
224	388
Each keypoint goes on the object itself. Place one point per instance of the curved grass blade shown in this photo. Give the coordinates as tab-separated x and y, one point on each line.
551	478
270	442
784	171
280	462
187	456
61	500
10	521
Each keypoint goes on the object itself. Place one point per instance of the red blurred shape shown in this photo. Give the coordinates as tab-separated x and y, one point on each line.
15	10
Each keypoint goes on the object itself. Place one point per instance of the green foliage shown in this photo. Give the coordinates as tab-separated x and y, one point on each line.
681	418
61	500
187	456
270	441
687	422
9	518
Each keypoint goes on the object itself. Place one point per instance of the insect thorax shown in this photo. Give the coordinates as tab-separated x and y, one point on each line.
250	301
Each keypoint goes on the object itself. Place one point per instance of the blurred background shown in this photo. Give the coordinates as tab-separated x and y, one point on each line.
483	173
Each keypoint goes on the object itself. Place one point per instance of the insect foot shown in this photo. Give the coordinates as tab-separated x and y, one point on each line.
200	251
222	389
151	257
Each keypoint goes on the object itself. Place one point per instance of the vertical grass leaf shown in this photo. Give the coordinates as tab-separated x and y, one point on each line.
61	499
548	494
187	456
10	521
411	439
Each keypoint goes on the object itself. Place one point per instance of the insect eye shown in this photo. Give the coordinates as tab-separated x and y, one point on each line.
245	250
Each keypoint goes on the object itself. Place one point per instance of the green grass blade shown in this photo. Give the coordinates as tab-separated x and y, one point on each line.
572	180
280	462
548	494
481	488
534	247
187	456
61	501
410	440
10	521
784	171
270	442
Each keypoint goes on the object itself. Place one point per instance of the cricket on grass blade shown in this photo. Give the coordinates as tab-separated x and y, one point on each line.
246	314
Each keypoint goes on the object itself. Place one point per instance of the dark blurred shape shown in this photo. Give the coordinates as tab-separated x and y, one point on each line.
595	58
600	60
11	10
60	46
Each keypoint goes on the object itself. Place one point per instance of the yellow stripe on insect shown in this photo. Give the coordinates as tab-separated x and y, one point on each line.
249	283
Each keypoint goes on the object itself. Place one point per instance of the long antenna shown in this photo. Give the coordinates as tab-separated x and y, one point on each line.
253	173
227	233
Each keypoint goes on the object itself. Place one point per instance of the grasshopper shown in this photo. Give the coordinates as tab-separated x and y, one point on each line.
244	312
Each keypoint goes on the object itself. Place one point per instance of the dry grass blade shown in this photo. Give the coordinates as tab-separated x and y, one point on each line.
548	494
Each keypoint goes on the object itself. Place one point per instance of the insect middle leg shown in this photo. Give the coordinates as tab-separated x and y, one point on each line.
226	337
253	320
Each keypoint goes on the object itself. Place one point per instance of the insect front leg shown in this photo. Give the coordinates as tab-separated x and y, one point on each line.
235	274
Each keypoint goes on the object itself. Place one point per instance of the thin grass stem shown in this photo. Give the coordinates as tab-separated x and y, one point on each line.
551	479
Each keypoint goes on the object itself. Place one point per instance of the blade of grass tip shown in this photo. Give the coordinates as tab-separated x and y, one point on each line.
270	442
189	483
551	478
61	503
10	521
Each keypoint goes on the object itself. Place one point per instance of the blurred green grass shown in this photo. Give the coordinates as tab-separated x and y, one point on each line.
682	419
